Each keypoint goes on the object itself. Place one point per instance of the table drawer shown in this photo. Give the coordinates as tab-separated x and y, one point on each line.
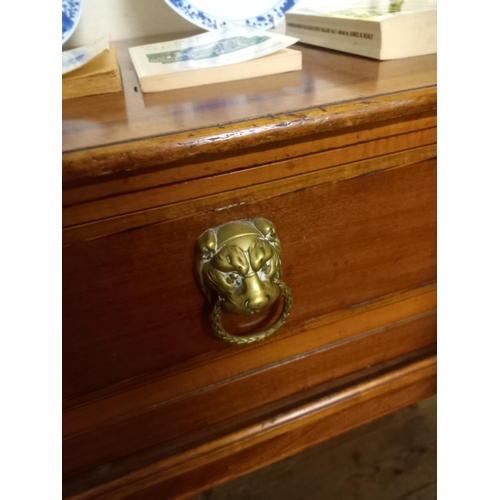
342	160
132	308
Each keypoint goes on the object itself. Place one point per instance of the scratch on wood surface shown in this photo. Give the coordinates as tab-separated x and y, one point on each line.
229	206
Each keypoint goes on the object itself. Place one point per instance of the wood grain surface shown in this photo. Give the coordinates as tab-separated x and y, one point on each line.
392	458
243	196
276	171
131	306
342	158
285	431
193	376
168	423
109	134
219	163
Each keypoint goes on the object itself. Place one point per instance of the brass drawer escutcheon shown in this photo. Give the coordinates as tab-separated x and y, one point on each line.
238	268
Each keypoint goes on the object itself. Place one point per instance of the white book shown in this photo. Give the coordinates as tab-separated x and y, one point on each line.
384	31
232	53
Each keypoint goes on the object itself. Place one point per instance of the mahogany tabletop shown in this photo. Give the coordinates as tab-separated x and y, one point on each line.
327	78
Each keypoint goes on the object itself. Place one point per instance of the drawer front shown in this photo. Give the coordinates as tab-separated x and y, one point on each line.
132	311
172	427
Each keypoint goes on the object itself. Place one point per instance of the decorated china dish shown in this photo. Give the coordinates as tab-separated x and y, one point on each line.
212	15
71	11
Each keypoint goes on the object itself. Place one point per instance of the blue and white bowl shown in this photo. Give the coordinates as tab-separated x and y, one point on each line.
71	11
213	14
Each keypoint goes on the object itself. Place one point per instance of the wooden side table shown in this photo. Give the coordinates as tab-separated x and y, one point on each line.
341	157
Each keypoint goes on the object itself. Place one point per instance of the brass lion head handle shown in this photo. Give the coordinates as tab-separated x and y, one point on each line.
238	268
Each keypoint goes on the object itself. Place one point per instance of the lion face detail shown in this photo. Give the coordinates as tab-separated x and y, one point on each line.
238	263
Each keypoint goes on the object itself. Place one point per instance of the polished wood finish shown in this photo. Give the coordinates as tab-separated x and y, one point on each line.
394	456
359	89
197	374
344	411
275	171
283	433
190	169
107	443
243	196
343	160
380	229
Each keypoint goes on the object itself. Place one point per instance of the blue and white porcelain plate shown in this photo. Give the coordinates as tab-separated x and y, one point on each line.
213	14
71	11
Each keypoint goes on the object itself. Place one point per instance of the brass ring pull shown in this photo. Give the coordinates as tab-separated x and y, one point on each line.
253	337
238	268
